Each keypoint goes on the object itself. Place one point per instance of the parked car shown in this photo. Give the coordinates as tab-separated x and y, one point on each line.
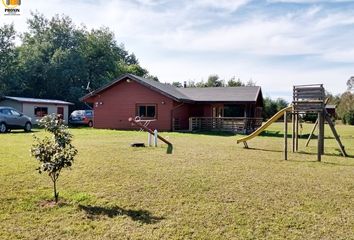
81	117
10	119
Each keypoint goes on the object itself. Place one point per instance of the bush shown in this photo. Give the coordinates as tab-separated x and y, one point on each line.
310	117
54	153
349	117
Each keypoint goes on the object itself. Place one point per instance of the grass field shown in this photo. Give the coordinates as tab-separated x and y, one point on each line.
209	188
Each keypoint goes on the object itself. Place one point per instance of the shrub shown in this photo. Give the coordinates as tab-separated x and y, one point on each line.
54	153
349	117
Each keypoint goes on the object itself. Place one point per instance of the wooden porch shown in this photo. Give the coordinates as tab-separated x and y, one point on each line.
234	124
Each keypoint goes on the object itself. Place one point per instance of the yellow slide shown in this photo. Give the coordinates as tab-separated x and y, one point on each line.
264	126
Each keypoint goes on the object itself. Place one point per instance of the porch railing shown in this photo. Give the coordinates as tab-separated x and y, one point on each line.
235	124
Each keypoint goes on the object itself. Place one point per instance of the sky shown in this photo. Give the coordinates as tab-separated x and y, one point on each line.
275	43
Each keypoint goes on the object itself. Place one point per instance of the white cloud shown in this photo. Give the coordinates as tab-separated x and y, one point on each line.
228	5
178	39
309	1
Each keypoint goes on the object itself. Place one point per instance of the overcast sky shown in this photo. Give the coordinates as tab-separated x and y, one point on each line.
276	43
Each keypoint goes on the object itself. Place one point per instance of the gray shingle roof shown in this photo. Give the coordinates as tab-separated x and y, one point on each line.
37	100
213	94
330	106
222	94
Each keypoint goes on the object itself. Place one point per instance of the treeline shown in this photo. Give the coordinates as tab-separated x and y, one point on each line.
215	81
344	105
56	59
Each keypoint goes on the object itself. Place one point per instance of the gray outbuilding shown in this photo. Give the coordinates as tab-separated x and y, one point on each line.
36	108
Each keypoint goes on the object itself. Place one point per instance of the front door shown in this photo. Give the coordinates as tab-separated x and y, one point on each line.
218	111
60	112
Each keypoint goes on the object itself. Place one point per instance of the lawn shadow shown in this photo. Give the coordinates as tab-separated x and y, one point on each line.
20	131
142	216
309	153
263	150
279	134
212	133
338	154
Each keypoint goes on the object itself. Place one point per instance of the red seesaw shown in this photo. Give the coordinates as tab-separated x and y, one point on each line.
142	126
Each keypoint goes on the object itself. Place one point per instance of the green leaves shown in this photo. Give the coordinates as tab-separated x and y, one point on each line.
56	59
54	153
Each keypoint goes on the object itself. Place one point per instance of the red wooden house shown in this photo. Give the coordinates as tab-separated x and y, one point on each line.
173	109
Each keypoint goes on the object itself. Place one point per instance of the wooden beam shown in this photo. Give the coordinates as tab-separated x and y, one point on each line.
311	134
296	132
336	136
319	138
285	136
293	130
170	146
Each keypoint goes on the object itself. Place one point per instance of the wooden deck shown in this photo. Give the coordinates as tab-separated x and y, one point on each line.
234	124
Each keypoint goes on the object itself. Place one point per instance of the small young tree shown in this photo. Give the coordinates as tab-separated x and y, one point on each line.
56	152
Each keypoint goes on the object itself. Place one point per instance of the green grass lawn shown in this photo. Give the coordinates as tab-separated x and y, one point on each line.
209	188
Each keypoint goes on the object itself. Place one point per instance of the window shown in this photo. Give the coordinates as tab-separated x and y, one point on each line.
40	111
146	111
60	112
5	111
233	110
15	113
89	113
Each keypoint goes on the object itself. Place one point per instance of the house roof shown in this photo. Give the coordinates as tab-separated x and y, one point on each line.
330	106
37	100
222	94
212	94
165	89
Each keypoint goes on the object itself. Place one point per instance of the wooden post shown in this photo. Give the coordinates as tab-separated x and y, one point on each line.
319	138
149	139
322	132
155	138
293	130
285	136
296	132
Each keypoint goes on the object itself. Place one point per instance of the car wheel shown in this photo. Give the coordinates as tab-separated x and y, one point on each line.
3	128
28	127
90	124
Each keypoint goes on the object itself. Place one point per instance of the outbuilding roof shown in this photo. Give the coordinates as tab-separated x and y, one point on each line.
37	100
211	94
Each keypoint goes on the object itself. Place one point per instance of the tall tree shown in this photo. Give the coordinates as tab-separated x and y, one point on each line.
235	83
214	81
8	65
346	104
350	83
177	84
57	59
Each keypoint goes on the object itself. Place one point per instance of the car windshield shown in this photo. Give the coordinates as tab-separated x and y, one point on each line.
78	113
89	113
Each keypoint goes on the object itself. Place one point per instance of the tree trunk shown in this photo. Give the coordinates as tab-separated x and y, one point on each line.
56	195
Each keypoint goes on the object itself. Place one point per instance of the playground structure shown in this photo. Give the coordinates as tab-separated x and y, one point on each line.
306	99
142	124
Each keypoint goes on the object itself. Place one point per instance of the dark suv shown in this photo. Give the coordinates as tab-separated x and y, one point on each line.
12	119
81	117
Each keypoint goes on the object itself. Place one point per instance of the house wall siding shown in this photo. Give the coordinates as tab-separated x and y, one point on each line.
182	113
28	109
115	105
